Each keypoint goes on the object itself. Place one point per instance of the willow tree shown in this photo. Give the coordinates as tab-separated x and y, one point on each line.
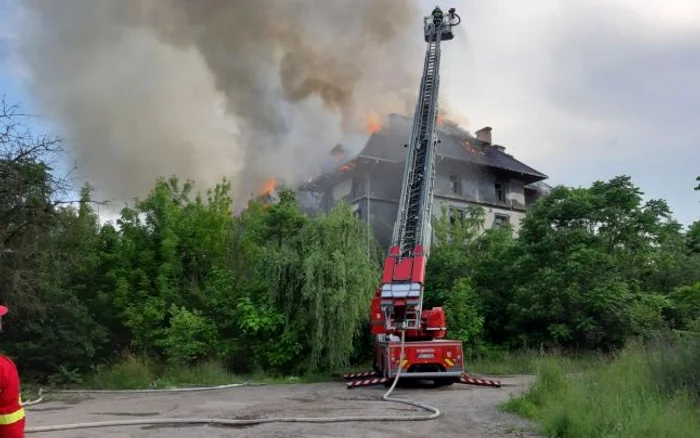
340	276
308	295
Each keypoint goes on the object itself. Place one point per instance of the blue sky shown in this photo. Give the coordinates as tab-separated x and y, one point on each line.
578	89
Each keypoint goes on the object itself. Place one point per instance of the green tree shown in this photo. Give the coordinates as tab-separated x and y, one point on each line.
584	253
28	191
46	246
450	257
693	237
339	282
686	301
463	317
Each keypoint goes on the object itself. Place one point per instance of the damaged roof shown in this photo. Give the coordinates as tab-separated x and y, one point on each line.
388	144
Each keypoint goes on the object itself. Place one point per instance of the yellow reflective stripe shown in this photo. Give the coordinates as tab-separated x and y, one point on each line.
12	418
449	362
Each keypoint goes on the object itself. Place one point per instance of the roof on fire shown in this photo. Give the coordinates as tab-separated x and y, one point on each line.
388	145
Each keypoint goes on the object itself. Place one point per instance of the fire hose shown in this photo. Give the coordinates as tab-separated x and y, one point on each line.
435	413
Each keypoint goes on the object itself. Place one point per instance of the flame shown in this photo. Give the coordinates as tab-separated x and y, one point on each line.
268	187
346	167
374	125
466	144
440	119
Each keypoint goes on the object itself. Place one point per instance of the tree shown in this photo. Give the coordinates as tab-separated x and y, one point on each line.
584	255
27	206
450	257
463	317
693	237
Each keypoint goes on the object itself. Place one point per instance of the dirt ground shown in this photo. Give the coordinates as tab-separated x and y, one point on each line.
466	411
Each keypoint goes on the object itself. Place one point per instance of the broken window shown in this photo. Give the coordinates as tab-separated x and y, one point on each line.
456	185
500	192
456	214
500	221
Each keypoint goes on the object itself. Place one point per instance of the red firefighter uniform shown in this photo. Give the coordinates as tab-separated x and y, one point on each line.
11	412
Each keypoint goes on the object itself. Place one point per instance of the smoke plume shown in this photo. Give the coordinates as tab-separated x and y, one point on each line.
247	89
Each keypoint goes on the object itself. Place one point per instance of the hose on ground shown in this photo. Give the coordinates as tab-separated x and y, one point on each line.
154	391
435	413
39	399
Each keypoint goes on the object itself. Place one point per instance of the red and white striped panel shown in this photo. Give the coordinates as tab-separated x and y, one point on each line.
367	382
360	375
481	382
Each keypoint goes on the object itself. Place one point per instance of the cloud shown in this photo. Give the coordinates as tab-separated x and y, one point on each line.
9	39
586	89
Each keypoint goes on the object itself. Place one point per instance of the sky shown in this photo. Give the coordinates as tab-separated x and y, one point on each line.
581	90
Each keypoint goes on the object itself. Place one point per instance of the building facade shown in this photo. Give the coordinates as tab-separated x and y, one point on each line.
469	171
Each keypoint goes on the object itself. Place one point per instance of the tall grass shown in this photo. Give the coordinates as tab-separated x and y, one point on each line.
648	391
498	362
140	372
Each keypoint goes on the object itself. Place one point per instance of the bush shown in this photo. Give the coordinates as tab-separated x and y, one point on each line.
622	399
464	321
189	338
674	361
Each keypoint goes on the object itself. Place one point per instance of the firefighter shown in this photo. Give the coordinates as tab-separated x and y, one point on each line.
12	418
438	17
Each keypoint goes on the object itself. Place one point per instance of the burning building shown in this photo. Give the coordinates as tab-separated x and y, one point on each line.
470	170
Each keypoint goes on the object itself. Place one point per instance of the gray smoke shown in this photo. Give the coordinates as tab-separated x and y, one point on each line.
248	89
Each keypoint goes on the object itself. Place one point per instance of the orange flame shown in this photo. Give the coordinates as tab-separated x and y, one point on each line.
374	125
346	167
466	144
268	187
440	119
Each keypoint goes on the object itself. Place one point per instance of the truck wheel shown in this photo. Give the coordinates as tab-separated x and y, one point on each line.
443	382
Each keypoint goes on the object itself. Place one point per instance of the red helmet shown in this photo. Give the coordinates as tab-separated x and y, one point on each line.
3	310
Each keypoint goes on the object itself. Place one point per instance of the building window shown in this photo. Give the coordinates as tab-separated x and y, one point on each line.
356	188
500	221
456	214
358	213
456	185
500	192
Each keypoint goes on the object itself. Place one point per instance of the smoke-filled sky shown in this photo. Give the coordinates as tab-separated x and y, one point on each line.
579	89
248	90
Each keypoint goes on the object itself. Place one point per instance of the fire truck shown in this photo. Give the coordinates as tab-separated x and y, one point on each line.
398	321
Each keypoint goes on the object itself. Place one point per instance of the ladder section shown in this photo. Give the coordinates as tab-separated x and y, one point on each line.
399	300
421	165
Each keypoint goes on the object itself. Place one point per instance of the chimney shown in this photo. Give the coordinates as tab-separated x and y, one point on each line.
484	134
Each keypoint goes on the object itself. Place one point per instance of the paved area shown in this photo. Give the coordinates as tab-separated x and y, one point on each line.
467	411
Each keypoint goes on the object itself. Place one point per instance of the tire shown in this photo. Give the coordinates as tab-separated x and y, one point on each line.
443	382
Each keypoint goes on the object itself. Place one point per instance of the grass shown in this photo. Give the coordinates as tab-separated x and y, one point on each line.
503	363
137	372
647	391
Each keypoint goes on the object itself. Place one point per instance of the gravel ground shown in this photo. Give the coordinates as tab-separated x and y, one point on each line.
467	411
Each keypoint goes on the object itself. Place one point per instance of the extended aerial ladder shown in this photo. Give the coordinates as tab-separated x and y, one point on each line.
397	307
